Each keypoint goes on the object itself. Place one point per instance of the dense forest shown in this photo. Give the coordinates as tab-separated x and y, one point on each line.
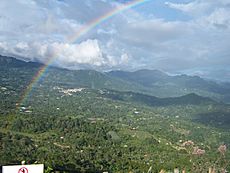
83	125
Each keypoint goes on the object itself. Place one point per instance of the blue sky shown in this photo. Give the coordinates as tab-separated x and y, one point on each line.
176	36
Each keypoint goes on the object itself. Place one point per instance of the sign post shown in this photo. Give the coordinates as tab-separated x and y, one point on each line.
38	168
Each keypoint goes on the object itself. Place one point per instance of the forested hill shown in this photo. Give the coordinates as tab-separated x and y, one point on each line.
168	85
189	99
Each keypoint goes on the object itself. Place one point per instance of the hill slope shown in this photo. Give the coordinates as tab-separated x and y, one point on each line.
189	99
168	86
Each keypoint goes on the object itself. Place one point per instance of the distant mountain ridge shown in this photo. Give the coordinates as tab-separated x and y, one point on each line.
156	77
189	99
13	62
58	76
144	77
178	85
148	82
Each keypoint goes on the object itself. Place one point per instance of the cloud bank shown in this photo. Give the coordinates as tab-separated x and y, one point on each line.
196	36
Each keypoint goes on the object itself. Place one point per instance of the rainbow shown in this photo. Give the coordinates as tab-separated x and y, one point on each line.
75	37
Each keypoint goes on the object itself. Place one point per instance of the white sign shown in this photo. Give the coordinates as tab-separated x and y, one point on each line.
38	168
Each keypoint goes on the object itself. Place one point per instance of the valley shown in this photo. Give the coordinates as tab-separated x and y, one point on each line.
88	121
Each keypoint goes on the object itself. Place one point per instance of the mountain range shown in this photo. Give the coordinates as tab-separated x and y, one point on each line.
148	82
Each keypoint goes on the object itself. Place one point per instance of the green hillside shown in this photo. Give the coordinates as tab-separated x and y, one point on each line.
163	85
71	122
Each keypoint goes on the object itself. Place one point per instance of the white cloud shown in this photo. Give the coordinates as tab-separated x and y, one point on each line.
219	18
193	8
199	7
28	20
87	52
151	33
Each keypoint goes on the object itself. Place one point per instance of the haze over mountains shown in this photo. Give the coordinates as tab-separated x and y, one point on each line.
150	82
175	85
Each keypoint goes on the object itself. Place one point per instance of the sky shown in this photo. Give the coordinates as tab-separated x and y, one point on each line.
175	36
